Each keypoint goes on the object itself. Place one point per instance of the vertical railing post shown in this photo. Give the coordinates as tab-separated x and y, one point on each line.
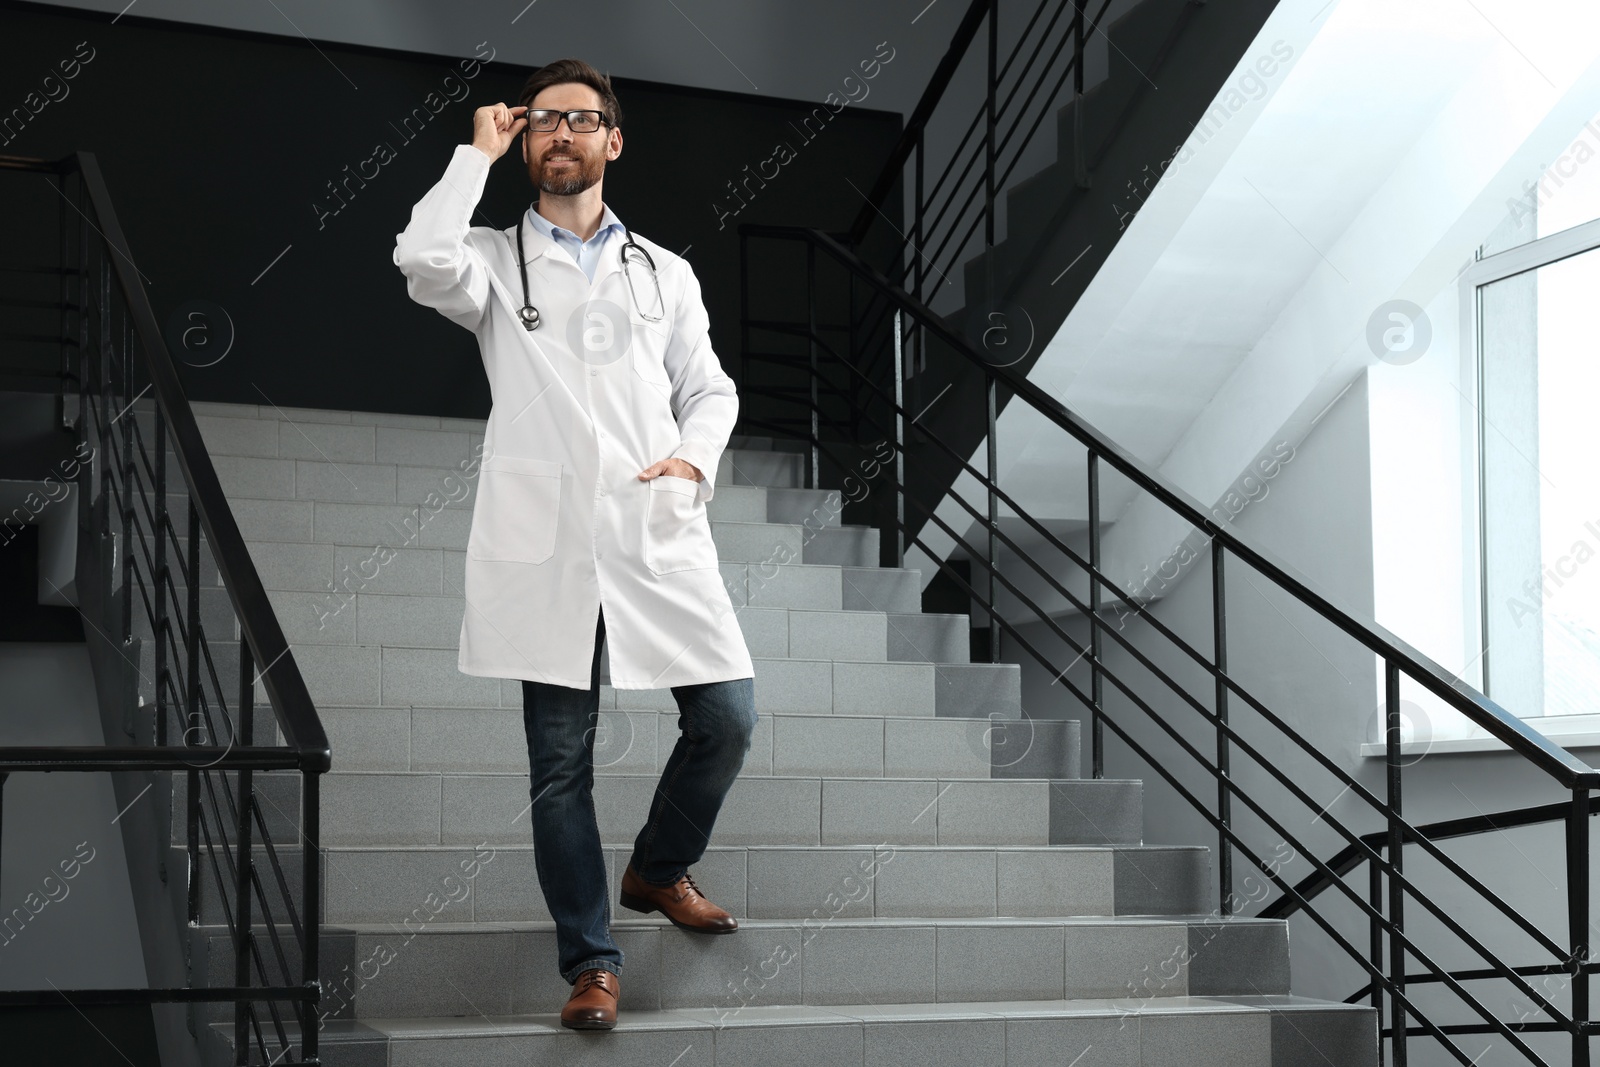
742	370
989	265
1375	944
311	888
3	776
114	410
916	220
811	342
242	912
992	455
1097	745
161	580
1397	948
1080	162
988	131
1219	635
1578	920
102	344
192	715
63	298
899	442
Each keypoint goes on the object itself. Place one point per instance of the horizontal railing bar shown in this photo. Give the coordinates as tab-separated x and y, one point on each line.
1348	858
261	631
1328	764
39	998
1245	747
1540	750
52	758
964	34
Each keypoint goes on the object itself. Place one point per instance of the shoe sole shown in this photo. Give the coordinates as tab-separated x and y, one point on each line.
588	1026
633	903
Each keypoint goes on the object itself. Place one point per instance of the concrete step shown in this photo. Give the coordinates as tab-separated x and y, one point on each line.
382	885
348	569
639	741
403	676
439	444
365	884
418	620
768	544
348	482
824	959
427	808
1232	1031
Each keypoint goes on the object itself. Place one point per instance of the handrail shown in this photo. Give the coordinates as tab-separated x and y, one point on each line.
226	828
1385	964
286	690
1350	857
903	145
1544	753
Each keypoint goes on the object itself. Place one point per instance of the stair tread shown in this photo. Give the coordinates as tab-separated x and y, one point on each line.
656	776
517	708
774	1015
527	847
632	921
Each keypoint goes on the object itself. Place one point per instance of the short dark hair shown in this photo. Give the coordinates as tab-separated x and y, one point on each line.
563	71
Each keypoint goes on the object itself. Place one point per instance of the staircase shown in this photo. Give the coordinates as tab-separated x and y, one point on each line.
921	874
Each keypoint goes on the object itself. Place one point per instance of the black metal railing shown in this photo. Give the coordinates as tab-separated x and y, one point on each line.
1043	69
1186	715
955	183
150	595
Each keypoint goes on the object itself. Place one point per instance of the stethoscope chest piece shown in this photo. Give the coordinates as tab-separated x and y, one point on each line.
530	314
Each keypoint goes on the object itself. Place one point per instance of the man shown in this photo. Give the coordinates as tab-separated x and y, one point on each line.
610	413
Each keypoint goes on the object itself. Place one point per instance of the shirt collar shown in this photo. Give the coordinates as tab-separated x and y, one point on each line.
608	220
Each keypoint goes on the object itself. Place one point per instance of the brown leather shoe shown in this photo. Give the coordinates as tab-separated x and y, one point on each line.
681	902
593	1004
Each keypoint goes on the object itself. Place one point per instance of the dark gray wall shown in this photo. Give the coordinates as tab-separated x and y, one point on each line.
223	152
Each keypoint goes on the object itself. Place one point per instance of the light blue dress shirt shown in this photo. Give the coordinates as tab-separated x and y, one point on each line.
586	254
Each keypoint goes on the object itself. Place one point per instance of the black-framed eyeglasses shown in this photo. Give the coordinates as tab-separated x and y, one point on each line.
543	120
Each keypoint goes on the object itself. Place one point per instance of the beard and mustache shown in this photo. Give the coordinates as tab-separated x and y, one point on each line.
569	180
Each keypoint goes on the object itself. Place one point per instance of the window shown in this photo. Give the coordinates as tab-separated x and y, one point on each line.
1537	298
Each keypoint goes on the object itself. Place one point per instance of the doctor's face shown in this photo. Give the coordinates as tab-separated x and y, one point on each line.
563	163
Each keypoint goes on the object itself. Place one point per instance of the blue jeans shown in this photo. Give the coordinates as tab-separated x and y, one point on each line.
715	720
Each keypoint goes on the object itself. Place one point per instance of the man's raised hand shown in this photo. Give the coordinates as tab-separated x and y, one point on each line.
494	128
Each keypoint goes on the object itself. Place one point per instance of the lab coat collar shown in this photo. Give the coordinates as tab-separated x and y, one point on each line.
539	245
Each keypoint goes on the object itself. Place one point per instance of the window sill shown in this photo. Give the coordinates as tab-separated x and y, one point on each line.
1568	731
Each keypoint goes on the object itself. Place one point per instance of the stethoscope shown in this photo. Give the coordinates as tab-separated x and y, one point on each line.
530	314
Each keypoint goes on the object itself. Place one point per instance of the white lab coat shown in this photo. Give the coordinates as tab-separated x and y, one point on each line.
562	524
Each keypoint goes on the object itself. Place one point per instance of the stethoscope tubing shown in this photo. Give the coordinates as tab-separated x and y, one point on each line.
530	315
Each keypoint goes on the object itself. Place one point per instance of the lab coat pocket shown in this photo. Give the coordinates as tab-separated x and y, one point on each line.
648	348
514	519
677	536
